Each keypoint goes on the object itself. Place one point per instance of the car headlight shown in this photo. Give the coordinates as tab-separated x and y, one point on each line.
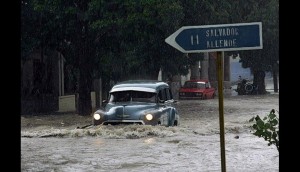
149	117
97	116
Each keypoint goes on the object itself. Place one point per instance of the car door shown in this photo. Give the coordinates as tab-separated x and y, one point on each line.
167	107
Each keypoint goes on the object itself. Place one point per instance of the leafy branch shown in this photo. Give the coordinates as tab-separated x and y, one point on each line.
267	128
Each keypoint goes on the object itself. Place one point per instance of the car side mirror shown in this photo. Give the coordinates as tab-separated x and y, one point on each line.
104	102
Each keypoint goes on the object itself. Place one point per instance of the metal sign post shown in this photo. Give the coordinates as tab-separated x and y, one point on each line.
221	109
218	38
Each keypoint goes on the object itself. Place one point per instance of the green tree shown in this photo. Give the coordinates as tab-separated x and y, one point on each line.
114	39
266	59
203	12
51	25
118	40
224	11
267	128
39	33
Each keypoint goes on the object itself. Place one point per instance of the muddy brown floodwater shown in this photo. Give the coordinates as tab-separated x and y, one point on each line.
54	143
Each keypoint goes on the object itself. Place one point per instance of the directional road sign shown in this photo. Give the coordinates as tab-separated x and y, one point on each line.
224	37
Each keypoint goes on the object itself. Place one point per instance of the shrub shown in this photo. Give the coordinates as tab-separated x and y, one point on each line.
267	128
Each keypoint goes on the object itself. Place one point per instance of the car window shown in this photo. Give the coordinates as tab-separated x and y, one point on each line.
200	85
121	96
190	85
141	96
135	96
162	95
165	94
168	94
194	85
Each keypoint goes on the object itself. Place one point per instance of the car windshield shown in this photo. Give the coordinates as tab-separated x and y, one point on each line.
194	85
134	96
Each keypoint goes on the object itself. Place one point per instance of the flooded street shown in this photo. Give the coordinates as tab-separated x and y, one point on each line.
194	145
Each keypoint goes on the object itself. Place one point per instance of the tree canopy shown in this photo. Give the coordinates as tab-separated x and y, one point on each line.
121	39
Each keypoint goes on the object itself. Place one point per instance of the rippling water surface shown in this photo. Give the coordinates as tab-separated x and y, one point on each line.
192	146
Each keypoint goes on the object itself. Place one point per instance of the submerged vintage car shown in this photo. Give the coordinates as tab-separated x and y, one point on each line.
197	89
143	102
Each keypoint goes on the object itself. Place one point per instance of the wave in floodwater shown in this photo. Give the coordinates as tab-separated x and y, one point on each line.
126	131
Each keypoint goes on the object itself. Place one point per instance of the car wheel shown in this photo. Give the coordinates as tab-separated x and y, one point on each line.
249	88
175	123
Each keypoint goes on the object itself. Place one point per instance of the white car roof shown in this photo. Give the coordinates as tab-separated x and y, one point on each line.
145	89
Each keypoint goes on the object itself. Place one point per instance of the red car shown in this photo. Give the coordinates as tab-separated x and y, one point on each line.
197	89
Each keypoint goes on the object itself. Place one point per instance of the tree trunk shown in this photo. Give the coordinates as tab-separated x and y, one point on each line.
275	79
204	67
275	82
85	81
84	99
195	73
259	81
212	69
84	106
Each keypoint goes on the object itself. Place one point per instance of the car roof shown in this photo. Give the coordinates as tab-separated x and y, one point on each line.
139	85
197	80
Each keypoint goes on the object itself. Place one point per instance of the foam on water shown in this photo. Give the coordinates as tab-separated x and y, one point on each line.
134	131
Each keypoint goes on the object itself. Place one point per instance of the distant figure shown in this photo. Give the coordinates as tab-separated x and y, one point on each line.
240	78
